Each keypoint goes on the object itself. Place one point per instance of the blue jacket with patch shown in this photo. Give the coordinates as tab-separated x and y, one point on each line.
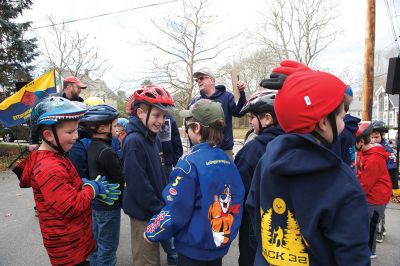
345	147
308	206
391	162
230	108
204	203
170	141
143	171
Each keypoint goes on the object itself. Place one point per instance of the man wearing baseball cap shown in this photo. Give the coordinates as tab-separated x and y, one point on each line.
305	203
72	88
206	81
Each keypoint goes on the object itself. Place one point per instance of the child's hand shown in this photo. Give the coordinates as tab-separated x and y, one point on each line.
145	238
98	187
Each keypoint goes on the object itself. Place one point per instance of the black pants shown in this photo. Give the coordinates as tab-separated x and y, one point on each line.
247	242
394	178
185	261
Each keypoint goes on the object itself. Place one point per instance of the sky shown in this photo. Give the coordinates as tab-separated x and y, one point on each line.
118	36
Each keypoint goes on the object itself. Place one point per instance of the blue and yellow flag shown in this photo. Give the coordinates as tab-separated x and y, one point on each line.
17	108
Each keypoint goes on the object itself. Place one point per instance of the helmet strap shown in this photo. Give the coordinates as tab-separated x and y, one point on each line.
262	129
323	141
58	146
149	134
332	120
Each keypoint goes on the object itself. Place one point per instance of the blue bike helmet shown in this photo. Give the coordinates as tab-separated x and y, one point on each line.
100	114
54	109
51	111
122	122
379	126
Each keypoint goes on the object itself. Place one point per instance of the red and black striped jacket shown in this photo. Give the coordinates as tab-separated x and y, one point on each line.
63	206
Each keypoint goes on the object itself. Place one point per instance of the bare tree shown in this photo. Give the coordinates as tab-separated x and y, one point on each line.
71	51
185	45
251	68
297	29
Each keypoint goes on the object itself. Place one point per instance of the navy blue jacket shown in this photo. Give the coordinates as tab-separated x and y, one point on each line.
345	147
116	146
143	172
204	204
78	156
170	141
247	158
308	206
103	160
230	108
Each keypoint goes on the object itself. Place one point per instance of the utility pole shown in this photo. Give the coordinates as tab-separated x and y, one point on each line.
368	83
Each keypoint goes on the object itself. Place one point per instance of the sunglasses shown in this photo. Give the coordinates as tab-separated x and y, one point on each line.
201	78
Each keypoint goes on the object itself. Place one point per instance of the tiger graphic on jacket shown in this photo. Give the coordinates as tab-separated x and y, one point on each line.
220	215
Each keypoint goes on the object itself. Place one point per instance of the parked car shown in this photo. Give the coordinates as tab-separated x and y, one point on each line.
10	134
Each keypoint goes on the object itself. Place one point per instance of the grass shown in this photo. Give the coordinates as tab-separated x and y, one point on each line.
8	153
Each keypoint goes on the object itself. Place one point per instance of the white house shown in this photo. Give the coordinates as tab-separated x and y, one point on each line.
386	107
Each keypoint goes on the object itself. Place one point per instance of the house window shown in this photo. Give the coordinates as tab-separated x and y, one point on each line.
386	103
391	118
385	117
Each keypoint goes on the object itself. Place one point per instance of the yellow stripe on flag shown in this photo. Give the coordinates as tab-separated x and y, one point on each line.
42	83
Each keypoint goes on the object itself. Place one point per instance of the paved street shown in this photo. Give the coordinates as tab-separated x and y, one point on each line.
21	243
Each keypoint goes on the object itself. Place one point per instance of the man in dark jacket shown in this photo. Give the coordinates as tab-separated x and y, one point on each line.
206	81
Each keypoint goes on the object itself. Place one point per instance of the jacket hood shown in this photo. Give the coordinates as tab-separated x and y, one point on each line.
377	150
269	134
24	170
135	125
303	149
351	123
219	90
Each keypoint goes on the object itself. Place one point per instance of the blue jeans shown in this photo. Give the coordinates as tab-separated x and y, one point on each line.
106	227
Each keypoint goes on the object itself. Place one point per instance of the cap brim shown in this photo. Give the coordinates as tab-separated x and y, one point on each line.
185	113
198	74
81	85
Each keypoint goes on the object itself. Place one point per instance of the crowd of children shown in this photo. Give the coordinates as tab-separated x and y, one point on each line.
296	193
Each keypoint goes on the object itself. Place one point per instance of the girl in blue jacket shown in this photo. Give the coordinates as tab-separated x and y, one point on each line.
204	200
260	109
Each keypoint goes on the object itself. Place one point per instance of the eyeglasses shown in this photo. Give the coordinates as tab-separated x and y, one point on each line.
201	78
188	123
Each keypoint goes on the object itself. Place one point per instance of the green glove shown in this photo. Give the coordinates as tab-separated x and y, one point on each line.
112	194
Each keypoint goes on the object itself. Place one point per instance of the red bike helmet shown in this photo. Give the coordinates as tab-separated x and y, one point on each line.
153	95
364	129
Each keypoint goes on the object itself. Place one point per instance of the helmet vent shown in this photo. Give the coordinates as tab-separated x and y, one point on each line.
150	95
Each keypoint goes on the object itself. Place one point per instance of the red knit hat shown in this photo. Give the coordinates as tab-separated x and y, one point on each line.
305	98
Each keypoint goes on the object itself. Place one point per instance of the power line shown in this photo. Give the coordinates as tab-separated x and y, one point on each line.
105	14
392	25
396	17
